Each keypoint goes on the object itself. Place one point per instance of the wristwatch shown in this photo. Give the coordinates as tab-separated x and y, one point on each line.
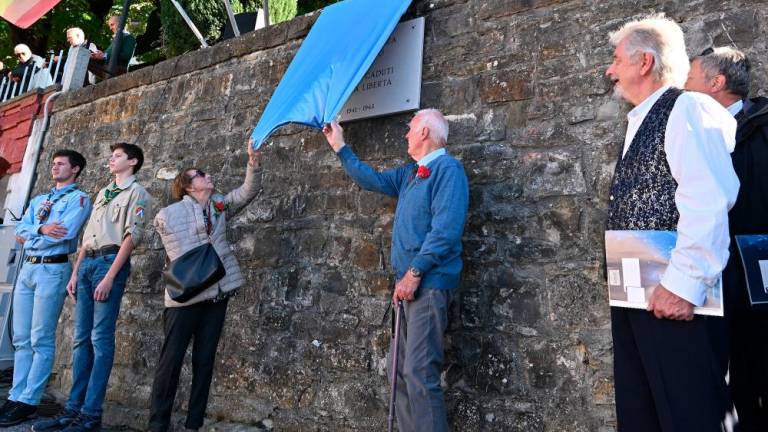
414	272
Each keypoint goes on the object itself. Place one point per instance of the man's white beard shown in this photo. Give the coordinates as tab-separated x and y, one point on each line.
618	94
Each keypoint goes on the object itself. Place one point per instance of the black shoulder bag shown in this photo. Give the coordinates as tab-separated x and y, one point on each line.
193	272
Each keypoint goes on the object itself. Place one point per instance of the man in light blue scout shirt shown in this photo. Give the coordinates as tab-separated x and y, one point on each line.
48	231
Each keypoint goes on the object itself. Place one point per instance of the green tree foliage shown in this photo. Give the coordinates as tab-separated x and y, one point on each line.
209	17
279	10
49	33
160	30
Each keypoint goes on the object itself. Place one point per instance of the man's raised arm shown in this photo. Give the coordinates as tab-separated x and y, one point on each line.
386	182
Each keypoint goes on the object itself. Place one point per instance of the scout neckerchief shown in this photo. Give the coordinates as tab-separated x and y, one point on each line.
110	193
45	207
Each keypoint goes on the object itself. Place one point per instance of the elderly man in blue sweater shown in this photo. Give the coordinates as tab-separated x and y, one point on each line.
431	210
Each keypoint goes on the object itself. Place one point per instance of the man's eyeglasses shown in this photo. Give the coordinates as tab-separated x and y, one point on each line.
18	54
198	173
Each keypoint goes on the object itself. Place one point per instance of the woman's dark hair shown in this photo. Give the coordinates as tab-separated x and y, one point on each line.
75	159
181	183
132	151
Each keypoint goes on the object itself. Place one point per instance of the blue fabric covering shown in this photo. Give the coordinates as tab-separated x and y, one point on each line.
335	55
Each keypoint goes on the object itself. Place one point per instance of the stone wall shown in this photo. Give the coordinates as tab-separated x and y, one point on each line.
532	119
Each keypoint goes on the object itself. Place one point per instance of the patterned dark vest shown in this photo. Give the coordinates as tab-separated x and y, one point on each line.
643	191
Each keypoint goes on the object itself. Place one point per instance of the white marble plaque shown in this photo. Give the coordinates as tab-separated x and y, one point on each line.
393	82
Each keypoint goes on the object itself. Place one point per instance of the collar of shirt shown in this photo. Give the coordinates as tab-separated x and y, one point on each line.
128	182
637	115
431	156
735	107
66	189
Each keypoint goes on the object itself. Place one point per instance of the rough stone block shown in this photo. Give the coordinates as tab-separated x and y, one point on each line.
164	70
554	173
299	27
505	86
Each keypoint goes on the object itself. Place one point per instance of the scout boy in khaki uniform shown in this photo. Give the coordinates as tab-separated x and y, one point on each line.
115	228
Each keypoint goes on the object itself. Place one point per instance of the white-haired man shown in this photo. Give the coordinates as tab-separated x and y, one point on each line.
723	73
75	37
432	200
27	61
674	174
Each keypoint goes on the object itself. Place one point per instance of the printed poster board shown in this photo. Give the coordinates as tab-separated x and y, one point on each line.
635	263
754	258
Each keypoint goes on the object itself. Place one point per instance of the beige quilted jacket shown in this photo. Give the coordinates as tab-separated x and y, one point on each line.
181	226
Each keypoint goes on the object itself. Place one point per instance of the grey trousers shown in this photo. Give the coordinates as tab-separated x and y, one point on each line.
420	405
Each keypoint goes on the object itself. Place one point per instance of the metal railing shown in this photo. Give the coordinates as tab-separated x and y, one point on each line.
33	77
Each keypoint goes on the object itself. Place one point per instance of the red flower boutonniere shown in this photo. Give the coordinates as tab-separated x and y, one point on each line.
219	206
423	172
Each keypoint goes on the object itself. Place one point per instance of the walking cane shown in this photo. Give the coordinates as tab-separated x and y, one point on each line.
393	380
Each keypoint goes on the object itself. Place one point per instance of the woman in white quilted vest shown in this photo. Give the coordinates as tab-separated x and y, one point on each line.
198	217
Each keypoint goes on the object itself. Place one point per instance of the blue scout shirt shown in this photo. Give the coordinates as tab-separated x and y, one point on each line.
71	206
430	214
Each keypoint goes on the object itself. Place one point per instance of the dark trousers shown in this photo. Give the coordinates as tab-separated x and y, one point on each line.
749	369
202	323
748	349
420	405
668	374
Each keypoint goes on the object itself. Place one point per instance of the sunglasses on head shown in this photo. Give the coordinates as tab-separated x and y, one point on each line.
198	173
707	52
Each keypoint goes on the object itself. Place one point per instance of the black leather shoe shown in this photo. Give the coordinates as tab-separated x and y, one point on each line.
18	413
57	423
84	423
6	406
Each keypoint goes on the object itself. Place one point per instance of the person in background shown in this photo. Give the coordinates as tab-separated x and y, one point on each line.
198	217
100	59
27	62
75	39
724	74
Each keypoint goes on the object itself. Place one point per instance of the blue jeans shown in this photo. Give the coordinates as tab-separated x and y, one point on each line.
93	349
37	301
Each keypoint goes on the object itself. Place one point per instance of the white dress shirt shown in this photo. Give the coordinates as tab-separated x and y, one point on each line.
699	136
